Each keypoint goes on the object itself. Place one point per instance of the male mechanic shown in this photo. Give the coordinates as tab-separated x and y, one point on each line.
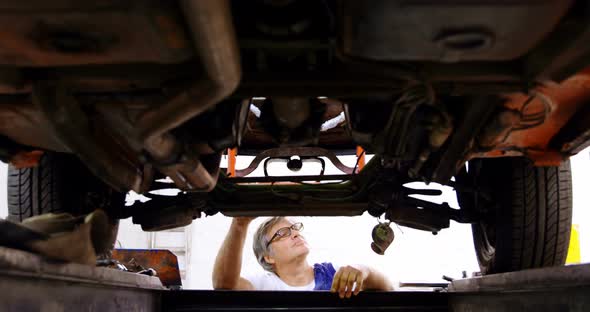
282	251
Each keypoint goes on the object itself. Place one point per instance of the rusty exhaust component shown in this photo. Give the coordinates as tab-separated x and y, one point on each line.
215	41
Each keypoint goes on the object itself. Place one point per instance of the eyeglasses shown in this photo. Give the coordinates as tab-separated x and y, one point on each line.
285	232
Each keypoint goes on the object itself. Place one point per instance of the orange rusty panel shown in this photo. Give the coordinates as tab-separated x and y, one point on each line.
26	159
565	99
163	261
546	158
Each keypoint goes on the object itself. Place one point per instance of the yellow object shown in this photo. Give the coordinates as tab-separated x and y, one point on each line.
573	252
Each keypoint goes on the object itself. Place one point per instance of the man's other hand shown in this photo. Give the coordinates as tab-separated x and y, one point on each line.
349	280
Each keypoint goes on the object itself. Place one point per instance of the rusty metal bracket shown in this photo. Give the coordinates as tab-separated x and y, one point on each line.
294	151
272	179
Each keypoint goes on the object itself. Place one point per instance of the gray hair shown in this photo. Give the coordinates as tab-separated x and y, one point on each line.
261	240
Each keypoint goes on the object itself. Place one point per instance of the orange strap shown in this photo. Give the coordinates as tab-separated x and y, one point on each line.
232	153
360	153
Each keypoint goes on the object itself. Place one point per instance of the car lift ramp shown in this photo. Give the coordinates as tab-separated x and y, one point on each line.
29	283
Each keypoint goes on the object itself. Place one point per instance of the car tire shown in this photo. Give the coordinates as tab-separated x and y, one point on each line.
525	217
60	183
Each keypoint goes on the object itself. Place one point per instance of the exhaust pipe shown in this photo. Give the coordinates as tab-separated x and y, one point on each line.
213	35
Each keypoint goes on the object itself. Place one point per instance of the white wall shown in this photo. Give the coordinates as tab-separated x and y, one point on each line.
413	256
581	191
131	236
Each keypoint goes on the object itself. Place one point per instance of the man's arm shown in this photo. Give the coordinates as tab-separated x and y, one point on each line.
376	280
366	278
228	264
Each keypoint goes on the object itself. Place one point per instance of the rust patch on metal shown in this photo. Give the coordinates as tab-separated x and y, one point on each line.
563	100
546	158
163	261
26	159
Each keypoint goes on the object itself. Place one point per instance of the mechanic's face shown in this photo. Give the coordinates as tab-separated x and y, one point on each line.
286	249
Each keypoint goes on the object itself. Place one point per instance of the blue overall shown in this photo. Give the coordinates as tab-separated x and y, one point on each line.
323	275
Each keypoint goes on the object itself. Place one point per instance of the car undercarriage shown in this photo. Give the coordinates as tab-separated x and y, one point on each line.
148	95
